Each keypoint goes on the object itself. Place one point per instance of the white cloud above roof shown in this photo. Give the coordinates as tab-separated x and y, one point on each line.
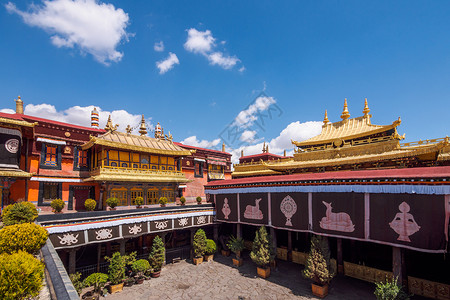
168	63
88	25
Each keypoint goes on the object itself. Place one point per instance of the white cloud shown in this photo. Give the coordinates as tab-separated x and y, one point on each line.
242	69
226	62
159	46
248	136
193	141
295	131
247	117
94	27
81	115
203	42
199	41
8	111
168	63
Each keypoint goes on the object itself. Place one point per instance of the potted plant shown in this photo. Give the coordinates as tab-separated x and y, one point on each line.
318	267
162	201
76	281
390	290
90	204
199	200
199	246
96	280
236	245
261	252
138	201
140	266
112	203
116	272
211	248
57	205
157	256
182	201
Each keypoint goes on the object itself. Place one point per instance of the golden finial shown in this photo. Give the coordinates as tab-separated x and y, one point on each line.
242	153
128	129
345	114
109	125
264	148
267	148
143	128
366	109
19	105
284	154
325	119
223	146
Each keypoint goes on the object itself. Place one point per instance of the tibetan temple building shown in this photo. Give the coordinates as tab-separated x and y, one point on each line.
384	205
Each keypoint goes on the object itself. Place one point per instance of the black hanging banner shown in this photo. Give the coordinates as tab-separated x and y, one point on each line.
340	214
226	207
254	208
289	210
10	145
412	220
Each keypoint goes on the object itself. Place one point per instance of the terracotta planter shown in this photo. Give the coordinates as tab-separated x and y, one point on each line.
238	261
112	208
162	205
225	252
198	260
57	212
140	280
155	274
263	272
91	296
115	288
319	290
183	204
209	257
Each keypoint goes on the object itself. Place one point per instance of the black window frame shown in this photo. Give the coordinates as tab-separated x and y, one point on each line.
41	192
75	160
200	169
42	164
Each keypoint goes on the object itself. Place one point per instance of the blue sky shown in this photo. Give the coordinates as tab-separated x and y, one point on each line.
217	58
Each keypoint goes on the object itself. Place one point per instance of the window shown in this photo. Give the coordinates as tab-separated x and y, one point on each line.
50	157
80	159
120	194
136	193
198	169
49	191
152	196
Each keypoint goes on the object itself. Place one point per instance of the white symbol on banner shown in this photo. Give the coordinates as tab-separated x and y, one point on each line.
404	224
161	225
226	208
288	208
336	221
253	211
103	234
12	145
201	220
135	229
68	239
183	221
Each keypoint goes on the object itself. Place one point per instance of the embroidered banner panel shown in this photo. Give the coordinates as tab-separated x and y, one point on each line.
226	207
254	208
289	210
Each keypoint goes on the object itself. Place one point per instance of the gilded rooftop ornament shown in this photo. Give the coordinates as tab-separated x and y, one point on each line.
366	110
109	125
345	114
128	129
143	128
325	119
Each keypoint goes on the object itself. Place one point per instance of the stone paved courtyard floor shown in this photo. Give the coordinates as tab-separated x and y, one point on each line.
220	280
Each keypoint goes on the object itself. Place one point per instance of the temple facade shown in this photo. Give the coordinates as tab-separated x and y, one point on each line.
384	205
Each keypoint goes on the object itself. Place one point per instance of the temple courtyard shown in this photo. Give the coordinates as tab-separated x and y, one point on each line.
220	280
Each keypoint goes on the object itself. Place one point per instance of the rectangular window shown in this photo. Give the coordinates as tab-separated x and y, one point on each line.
121	195
136	193
49	193
198	169
51	155
82	159
152	196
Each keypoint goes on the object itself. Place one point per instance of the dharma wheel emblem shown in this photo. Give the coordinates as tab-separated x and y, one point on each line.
404	224
288	208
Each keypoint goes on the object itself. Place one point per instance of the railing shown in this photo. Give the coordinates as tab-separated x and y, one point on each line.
424	142
122	170
58	281
88	270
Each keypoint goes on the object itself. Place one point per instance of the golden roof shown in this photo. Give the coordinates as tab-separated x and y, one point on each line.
120	140
111	174
347	129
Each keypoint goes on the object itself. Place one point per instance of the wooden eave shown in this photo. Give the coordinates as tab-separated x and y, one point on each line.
15	173
136	178
17	122
329	131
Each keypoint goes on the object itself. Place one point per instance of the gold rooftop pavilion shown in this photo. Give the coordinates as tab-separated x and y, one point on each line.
352	144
